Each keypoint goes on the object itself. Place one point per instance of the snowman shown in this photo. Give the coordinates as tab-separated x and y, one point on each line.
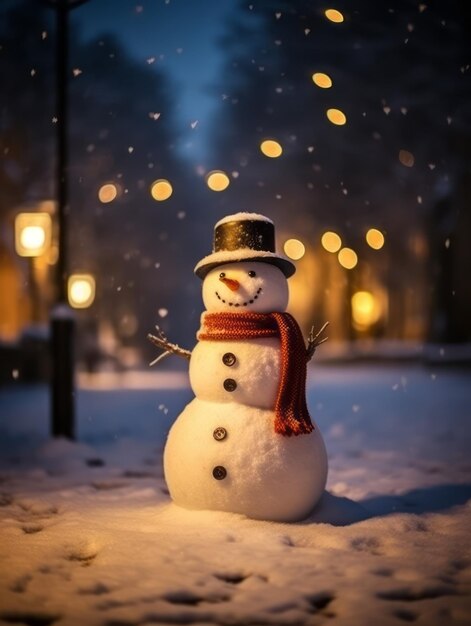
246	443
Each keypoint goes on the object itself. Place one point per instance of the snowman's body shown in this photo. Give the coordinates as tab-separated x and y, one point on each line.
223	452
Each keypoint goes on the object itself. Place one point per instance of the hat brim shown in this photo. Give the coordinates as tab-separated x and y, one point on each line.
232	256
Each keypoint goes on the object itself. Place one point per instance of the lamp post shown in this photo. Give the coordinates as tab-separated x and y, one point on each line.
62	320
32	240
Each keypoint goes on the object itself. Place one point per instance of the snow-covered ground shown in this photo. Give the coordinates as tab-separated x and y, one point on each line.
89	535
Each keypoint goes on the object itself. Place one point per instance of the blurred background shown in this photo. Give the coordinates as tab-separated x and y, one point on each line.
348	126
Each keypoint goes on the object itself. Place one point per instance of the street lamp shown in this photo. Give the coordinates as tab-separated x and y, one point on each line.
81	290
62	320
33	240
32	234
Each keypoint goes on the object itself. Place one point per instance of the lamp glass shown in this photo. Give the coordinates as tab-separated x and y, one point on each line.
32	233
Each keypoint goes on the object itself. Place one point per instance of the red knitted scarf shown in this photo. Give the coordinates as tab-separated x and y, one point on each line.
291	413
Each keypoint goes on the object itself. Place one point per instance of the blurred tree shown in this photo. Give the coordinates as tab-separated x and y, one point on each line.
399	75
26	104
120	132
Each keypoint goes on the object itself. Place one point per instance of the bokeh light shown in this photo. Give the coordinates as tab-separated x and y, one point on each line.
107	193
33	237
322	80
375	238
366	309
271	148
81	290
32	233
331	241
161	189
406	158
294	249
348	258
334	16
217	180
336	116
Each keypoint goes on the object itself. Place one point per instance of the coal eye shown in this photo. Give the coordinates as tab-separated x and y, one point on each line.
222	275
252	274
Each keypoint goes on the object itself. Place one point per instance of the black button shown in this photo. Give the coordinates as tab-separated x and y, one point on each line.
219	433
219	472
229	359
230	384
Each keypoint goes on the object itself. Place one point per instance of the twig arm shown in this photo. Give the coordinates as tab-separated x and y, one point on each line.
161	341
315	340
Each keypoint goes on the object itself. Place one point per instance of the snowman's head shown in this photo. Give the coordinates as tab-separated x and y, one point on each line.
245	286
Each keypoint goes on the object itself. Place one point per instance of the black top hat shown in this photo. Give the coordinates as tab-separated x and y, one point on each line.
244	237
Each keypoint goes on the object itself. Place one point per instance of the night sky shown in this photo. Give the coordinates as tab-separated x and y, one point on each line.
181	38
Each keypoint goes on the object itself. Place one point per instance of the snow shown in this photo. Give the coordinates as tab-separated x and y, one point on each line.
243	216
262	288
89	535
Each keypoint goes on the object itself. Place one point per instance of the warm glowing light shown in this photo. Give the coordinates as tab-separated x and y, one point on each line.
32	233
161	189
331	241
217	180
294	248
322	80
81	290
336	116
375	239
347	258
334	16
366	309
406	158
271	148
107	193
33	237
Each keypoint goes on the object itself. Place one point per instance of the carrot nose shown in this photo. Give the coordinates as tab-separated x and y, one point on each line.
231	283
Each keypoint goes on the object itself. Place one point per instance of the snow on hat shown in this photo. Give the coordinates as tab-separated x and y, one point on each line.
244	237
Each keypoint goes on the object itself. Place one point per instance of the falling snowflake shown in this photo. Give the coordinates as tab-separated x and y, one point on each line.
406	158
163	312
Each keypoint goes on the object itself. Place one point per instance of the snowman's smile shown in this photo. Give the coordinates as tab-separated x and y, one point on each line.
254	297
